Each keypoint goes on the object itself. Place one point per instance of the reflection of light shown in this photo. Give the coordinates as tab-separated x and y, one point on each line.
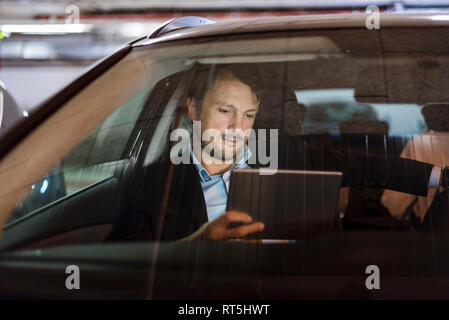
137	29
38	51
45	28
44	186
25	114
440	18
133	29
33	186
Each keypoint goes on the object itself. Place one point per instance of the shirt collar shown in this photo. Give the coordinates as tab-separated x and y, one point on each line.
206	177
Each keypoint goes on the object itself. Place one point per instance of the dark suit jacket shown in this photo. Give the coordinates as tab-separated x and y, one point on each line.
145	219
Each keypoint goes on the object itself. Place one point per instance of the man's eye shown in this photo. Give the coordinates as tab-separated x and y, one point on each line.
250	116
223	110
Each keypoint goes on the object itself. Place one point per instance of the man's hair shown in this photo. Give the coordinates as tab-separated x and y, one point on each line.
203	79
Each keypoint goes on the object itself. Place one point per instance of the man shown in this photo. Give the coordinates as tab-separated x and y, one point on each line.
229	105
225	99
192	203
431	147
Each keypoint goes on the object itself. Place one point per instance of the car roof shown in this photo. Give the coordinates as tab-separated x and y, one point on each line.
302	22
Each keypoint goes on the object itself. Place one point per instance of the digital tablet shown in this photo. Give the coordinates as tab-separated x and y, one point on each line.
292	204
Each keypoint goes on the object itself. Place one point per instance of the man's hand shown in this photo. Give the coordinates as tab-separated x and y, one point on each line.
218	229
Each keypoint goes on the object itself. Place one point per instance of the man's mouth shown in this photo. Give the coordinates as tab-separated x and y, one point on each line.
231	141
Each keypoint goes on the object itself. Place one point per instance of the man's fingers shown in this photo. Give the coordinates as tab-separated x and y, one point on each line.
242	231
220	229
236	216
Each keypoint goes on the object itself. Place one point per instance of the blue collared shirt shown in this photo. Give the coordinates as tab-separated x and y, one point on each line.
216	187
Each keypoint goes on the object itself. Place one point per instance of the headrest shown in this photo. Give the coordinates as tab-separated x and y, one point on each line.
436	116
279	109
364	127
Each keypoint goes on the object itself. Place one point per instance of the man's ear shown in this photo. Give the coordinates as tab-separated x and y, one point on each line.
191	108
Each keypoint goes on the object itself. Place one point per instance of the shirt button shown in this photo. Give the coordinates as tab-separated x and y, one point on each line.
205	176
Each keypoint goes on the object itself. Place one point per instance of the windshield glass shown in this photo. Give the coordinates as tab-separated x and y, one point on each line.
275	139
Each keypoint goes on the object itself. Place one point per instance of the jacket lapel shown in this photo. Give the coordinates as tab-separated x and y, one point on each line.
191	194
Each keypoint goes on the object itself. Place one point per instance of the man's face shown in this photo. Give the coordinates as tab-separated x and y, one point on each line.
229	107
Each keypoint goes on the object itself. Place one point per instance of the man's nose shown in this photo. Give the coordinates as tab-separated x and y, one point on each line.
236	122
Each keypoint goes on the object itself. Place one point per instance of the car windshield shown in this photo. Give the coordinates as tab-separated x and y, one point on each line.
360	116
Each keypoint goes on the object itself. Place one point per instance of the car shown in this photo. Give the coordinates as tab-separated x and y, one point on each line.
69	170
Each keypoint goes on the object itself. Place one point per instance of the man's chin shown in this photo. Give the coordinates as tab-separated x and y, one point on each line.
222	157
230	155
224	154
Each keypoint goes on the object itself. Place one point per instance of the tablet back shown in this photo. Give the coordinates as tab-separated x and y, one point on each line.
292	204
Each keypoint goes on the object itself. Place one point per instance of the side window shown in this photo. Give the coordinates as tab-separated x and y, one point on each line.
332	110
93	160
